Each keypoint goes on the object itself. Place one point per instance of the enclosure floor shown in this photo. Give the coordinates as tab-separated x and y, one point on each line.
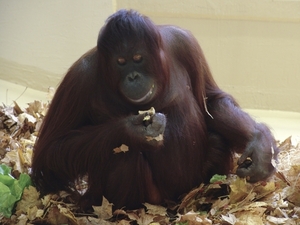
282	123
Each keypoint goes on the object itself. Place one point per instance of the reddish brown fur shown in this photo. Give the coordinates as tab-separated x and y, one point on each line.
88	118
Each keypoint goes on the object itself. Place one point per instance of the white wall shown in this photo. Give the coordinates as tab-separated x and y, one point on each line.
253	47
39	40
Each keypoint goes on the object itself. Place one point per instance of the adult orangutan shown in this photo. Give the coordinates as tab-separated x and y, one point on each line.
191	135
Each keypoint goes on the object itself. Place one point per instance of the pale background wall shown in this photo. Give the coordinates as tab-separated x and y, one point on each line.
253	47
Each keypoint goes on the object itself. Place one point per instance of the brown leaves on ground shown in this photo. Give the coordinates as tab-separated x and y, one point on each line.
226	201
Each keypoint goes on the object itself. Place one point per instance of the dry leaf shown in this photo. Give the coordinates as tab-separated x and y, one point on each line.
54	216
140	216
122	148
239	190
149	112
249	218
22	219
193	218
12	158
32	213
105	210
276	220
67	213
231	219
155	209
30	198
157	138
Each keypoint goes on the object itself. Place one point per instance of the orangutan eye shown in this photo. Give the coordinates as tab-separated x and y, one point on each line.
121	61
137	58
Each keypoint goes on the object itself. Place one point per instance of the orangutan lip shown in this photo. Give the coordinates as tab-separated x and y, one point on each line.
143	98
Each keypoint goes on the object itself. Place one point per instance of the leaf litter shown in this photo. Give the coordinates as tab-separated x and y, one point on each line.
226	200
